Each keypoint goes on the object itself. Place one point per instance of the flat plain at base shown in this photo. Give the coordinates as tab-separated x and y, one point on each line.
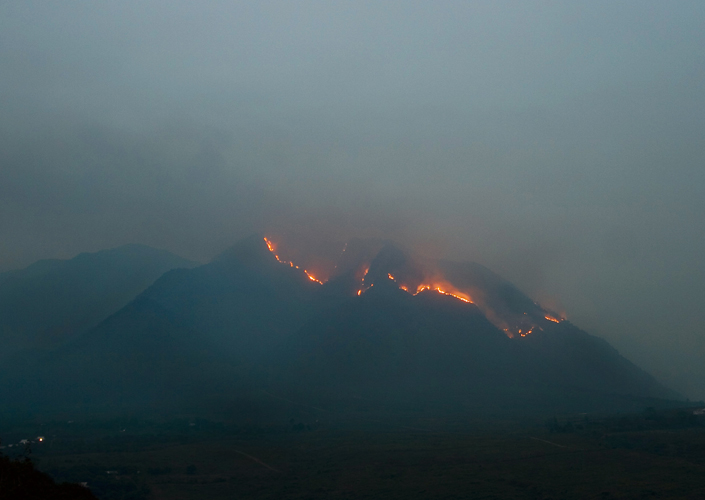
407	464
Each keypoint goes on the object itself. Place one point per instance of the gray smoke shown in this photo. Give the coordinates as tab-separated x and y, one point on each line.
560	145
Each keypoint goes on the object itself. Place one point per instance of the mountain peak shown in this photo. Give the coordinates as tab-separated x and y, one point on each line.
251	250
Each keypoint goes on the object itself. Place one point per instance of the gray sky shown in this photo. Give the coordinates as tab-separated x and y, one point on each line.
559	143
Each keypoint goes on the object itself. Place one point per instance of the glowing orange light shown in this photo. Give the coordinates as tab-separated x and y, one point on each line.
528	332
312	278
272	248
438	289
439	285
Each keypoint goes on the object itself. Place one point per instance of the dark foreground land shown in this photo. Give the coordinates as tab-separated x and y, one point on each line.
649	455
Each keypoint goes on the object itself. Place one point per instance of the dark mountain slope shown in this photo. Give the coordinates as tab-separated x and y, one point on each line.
247	323
388	345
194	331
432	351
573	359
433	348
53	301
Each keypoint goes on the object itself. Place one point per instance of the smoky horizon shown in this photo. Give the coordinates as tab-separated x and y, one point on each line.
559	145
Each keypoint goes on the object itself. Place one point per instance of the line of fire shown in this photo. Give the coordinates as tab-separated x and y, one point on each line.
518	326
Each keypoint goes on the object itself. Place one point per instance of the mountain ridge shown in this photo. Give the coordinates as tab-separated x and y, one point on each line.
248	321
53	301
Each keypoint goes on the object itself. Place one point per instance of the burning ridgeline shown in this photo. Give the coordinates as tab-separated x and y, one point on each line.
501	303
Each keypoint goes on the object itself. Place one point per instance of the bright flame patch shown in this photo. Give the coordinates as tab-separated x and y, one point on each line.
458	295
272	249
512	326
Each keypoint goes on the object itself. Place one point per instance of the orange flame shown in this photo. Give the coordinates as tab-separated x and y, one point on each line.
512	328
527	332
272	248
312	278
457	294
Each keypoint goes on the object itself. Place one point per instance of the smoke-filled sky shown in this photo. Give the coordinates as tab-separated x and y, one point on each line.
561	144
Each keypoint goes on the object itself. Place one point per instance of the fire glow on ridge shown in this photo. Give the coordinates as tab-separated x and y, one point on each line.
441	286
422	287
438	289
272	249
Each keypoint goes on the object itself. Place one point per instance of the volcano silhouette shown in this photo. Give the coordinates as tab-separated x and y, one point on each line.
388	329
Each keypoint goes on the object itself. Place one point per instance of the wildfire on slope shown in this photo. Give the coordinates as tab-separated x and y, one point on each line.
529	331
361	275
272	249
312	277
437	288
442	287
414	277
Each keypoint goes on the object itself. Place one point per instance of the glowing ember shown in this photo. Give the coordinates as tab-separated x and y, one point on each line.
527	332
269	245
272	249
513	326
311	277
438	289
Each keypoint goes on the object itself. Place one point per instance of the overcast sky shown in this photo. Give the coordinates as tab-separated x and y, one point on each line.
561	144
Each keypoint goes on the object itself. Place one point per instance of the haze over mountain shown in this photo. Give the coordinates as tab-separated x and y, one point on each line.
51	302
560	144
249	326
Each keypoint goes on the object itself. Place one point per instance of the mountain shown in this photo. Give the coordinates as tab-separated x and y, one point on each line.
466	340
387	330
194	331
52	302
